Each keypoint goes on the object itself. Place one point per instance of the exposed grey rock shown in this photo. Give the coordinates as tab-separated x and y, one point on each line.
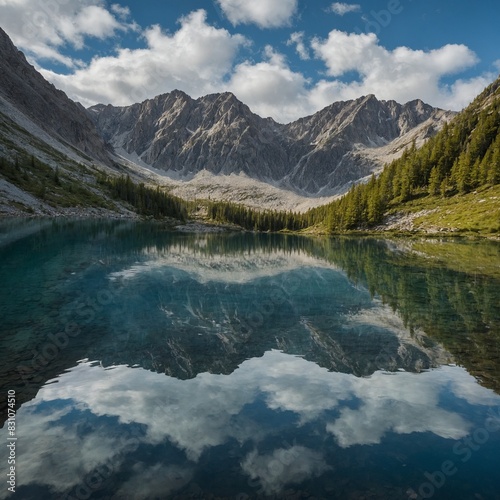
46	106
217	133
330	146
318	154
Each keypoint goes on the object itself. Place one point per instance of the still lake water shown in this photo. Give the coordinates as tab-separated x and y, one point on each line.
150	364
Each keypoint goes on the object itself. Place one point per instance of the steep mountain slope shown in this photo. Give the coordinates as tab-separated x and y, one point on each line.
317	155
177	133
345	137
22	87
452	183
50	152
195	141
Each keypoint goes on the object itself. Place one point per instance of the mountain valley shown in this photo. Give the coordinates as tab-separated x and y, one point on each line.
57	158
213	147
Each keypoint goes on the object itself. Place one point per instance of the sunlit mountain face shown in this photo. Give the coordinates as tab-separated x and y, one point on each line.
151	364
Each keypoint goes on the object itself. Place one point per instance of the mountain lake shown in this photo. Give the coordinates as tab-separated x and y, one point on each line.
141	363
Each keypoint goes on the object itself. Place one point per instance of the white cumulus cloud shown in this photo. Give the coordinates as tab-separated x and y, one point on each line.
271	88
43	28
263	13
401	74
341	8
195	59
120	10
297	39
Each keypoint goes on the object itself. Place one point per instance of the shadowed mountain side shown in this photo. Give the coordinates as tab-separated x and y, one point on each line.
317	155
49	108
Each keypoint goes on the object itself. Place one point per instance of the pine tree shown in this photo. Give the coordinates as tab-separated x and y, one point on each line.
475	174
485	165
494	168
56	176
406	186
375	208
434	182
443	188
462	172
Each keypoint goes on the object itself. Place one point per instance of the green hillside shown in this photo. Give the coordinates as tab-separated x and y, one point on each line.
452	181
451	184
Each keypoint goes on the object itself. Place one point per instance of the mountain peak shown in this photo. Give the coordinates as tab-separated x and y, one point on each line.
220	134
6	43
220	97
49	108
179	94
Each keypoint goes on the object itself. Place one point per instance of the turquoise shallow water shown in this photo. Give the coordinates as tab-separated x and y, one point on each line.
150	364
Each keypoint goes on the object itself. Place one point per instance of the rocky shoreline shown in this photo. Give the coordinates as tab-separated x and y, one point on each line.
70	213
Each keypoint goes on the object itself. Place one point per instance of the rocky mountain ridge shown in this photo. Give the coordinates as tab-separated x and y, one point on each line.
47	107
316	155
211	147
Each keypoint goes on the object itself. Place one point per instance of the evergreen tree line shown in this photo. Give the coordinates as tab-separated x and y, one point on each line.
463	156
254	220
148	201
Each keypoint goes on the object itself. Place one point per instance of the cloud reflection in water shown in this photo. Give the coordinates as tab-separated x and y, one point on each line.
89	408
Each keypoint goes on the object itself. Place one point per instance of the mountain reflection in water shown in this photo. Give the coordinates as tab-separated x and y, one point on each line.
246	366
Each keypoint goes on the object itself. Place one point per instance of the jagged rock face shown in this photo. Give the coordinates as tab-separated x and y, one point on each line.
49	108
337	136
177	133
314	155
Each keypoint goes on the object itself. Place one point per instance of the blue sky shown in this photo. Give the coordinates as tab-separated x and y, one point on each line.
284	58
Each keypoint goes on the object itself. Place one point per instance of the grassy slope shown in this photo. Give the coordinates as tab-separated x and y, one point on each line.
72	185
473	213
